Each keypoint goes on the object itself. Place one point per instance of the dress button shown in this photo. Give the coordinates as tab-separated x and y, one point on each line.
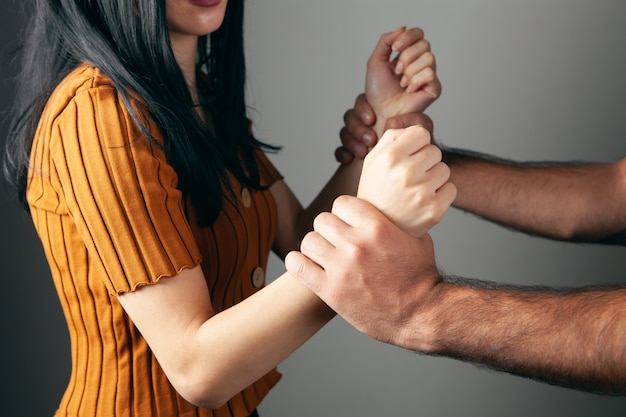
258	277
246	199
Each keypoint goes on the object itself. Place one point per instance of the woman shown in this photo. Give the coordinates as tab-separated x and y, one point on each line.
157	208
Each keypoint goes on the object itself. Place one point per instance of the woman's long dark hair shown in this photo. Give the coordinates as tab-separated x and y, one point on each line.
128	40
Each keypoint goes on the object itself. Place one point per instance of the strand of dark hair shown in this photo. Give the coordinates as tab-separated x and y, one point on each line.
129	42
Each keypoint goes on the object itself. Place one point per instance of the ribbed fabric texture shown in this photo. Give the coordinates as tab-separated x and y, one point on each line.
105	205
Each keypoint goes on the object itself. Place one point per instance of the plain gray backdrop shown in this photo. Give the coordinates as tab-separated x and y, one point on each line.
532	80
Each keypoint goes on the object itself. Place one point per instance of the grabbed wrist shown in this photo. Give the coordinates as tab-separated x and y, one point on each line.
379	126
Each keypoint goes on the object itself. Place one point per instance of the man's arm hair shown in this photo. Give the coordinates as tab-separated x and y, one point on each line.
573	201
571	337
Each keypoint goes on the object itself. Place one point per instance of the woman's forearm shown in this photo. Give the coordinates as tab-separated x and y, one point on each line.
244	342
208	357
296	221
344	181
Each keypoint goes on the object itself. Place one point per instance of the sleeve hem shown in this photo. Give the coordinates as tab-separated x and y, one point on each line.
136	285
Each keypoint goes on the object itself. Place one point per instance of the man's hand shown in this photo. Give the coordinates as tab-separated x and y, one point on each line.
358	136
374	273
368	270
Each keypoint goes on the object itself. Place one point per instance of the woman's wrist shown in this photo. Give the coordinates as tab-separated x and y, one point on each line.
379	126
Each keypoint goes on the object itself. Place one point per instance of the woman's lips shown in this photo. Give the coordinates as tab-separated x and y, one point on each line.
205	3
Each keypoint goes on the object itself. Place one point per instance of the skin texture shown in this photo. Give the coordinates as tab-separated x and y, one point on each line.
405	160
401	171
523	196
413	70
388	285
188	338
185	23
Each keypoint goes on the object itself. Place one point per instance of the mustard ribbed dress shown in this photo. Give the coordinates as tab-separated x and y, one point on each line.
105	205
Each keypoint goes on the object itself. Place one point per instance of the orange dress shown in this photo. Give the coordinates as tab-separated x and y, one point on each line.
105	205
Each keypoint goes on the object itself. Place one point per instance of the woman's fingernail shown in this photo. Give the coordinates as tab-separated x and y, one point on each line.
399	68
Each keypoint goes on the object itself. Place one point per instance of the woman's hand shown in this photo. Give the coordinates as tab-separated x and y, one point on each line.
404	177
404	84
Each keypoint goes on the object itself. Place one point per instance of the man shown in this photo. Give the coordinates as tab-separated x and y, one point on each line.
385	282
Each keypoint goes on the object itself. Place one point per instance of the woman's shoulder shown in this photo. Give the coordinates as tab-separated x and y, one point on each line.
82	78
84	82
88	99
86	92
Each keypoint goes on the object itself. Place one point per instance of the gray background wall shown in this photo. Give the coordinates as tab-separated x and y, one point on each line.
530	80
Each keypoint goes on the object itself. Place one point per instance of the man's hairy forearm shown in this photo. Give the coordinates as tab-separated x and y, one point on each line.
573	338
565	201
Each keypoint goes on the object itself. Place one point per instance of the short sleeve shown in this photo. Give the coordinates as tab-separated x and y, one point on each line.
121	193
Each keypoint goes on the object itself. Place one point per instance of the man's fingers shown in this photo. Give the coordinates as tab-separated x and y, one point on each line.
343	155
316	247
352	144
306	271
364	110
332	229
355	212
358	128
410	119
